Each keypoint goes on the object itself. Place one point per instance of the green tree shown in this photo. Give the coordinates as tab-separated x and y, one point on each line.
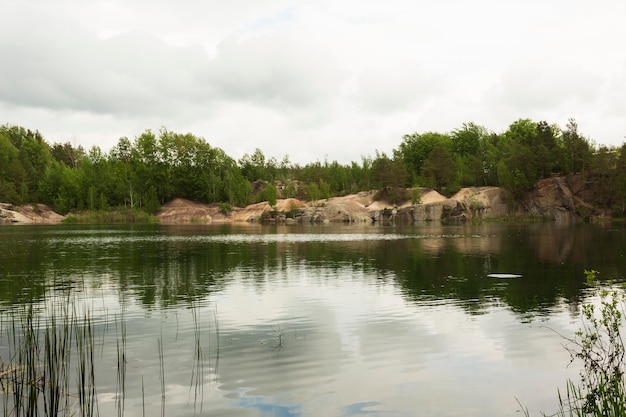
33	157
415	149
439	168
576	148
388	172
121	156
548	154
312	192
253	167
67	154
603	178
271	194
469	139
10	170
620	180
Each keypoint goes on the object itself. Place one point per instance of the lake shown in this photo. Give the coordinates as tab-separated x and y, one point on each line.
334	320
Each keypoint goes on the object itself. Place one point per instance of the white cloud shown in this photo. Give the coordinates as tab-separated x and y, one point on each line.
314	79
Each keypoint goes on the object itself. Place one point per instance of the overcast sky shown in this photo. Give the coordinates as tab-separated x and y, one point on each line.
311	79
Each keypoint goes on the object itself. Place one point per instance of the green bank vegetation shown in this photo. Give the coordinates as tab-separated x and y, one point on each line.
155	167
599	347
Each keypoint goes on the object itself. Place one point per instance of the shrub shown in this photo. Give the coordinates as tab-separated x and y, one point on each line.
225	209
599	346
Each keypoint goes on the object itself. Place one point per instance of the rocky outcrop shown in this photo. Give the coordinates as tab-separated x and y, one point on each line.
555	198
448	210
181	210
552	199
35	213
468	203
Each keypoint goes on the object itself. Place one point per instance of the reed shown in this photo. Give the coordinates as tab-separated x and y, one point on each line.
57	338
217	342
121	366
86	378
120	216
48	361
36	379
197	371
161	374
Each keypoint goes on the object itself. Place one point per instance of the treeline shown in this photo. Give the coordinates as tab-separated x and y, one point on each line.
154	168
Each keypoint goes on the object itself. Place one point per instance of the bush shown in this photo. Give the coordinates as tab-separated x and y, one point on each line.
225	209
599	346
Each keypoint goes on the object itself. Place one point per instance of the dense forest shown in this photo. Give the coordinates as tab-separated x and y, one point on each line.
154	168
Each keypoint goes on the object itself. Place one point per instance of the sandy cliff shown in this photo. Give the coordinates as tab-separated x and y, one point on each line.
34	213
554	198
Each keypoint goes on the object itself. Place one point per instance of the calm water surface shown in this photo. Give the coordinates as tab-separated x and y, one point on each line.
317	321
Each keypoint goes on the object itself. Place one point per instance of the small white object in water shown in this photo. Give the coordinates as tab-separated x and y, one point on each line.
504	276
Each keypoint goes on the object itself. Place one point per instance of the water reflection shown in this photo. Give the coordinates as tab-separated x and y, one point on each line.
318	321
163	266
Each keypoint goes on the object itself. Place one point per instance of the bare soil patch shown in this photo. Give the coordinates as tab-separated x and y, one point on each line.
29	213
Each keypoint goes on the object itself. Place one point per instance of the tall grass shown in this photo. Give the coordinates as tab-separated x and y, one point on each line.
121	216
49	363
36	379
121	366
600	347
85	374
197	373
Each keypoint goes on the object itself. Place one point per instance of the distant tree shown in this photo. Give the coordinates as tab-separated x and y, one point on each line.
439	168
312	192
547	152
67	154
123	168
602	177
469	139
271	194
10	170
415	149
577	149
253	167
389	173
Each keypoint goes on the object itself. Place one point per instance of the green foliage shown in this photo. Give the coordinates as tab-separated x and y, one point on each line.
598	345
324	189
439	168
271	194
416	196
416	147
600	348
156	167
389	172
313	192
392	195
120	216
225	209
577	149
289	190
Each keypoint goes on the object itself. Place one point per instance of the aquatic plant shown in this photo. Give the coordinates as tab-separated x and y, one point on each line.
598	344
36	378
600	348
48	361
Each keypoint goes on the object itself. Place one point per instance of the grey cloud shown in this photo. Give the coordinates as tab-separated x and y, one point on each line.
277	70
398	88
543	88
59	66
